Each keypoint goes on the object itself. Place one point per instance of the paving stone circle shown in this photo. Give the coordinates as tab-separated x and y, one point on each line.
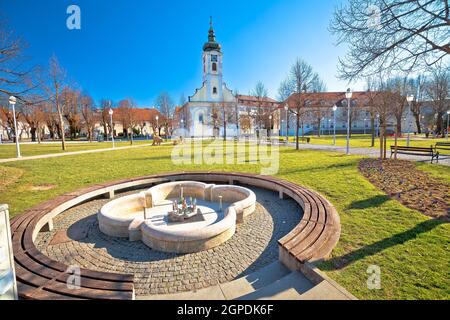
77	240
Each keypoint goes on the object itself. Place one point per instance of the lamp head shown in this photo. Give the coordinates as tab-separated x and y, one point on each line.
286	107
12	100
349	94
111	111
334	107
410	98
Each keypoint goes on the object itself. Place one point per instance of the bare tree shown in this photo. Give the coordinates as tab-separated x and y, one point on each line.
15	78
303	79
438	91
70	100
416	86
262	111
57	78
166	107
382	99
391	35
88	113
33	114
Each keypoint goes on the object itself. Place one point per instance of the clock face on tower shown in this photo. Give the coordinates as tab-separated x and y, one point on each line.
213	58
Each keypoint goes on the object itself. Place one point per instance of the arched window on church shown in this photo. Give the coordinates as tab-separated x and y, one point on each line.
214	90
200	118
214	66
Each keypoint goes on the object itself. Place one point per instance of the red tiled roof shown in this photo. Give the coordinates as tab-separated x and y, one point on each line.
253	101
325	99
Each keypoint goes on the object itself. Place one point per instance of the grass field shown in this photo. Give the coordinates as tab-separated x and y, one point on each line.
32	149
365	141
411	249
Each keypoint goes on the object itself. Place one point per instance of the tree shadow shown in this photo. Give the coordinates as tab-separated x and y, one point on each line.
372	202
341	262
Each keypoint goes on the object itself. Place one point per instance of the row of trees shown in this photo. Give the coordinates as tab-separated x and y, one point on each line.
392	37
48	99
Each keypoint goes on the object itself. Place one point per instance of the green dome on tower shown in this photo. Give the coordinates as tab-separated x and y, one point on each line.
211	44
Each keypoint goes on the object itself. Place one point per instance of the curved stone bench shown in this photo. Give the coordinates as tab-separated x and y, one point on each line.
40	277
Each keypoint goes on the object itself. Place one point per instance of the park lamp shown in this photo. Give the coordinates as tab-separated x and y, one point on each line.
410	98
157	117
334	108
286	107
110	111
448	112
349	94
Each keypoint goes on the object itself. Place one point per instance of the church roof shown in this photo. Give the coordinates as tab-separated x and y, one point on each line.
211	44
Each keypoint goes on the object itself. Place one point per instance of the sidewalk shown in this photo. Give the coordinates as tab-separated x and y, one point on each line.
371	152
54	155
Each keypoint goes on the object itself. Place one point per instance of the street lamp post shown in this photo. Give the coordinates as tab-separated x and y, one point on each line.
365	119
286	108
410	99
270	125
348	96
112	127
448	118
334	124
12	102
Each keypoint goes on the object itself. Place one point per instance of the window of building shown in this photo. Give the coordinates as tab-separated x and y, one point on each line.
214	66
214	90
200	118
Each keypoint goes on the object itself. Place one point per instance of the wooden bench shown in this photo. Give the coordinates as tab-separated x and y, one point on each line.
442	146
416	151
39	277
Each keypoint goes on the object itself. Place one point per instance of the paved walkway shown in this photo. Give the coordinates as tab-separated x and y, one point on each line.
371	152
54	155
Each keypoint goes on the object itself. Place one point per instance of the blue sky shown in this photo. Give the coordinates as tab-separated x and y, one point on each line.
137	48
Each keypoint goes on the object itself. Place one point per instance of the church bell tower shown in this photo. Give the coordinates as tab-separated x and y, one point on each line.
212	66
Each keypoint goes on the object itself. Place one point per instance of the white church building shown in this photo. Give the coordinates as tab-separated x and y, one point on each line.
214	110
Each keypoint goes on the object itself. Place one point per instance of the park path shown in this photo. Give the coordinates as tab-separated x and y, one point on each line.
370	152
54	155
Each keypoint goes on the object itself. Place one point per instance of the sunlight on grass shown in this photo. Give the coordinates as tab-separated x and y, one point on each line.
411	249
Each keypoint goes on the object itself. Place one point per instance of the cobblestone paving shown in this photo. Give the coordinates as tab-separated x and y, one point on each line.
253	246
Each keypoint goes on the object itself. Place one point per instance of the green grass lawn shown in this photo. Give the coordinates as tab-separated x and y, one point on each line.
27	149
411	249
365	141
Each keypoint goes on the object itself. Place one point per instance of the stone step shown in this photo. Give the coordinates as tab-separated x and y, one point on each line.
289	287
254	281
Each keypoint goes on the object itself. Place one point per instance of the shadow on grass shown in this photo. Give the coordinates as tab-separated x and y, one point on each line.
372	202
341	262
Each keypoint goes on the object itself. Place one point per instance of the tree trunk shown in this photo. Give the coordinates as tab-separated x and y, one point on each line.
318	128
381	143
417	118
61	128
439	127
33	134
297	130
372	128
398	127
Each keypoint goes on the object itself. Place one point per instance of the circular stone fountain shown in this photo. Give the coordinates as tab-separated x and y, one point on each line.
180	217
